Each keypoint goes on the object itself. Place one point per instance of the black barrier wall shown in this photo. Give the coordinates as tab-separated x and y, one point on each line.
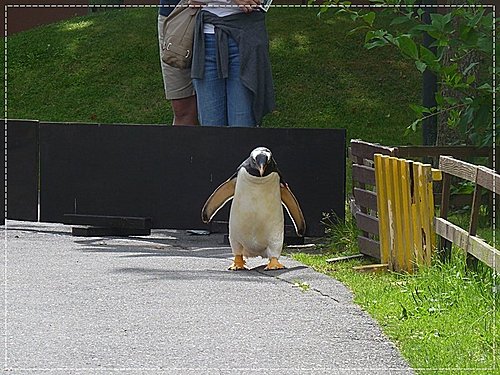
2	177
22	170
166	173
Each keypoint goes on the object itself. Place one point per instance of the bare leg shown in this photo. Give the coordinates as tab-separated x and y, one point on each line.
185	111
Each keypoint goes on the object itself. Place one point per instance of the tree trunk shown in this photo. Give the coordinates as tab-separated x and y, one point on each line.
446	135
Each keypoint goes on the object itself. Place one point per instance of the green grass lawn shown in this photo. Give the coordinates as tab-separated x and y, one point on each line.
104	68
100	68
443	319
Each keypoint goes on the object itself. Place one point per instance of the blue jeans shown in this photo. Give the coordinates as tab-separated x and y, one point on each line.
223	102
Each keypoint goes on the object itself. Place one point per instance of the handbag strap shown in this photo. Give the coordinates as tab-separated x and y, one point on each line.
183	4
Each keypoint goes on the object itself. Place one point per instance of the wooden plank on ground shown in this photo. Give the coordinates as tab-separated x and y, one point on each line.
108	232
371	268
126	222
342	259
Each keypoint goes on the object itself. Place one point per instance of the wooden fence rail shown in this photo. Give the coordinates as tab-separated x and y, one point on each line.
483	178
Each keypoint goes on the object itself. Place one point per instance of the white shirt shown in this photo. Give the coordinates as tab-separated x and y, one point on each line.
220	8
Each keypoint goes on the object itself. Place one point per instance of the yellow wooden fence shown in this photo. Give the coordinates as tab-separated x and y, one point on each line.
405	204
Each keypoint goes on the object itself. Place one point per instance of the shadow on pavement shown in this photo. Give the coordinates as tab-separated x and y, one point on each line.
206	274
275	273
130	251
254	274
37	230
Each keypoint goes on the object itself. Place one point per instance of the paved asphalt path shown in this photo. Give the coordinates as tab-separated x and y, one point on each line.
166	304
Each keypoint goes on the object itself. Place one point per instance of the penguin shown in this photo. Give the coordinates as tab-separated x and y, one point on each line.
256	220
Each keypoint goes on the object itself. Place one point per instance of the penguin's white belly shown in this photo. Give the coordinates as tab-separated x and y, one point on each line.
256	218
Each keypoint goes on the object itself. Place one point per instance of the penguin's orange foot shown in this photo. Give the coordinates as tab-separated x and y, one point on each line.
238	263
274	265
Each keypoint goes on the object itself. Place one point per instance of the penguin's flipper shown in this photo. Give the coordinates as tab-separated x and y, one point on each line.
223	194
293	209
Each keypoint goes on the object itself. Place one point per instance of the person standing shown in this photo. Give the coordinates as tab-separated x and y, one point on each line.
177	82
231	69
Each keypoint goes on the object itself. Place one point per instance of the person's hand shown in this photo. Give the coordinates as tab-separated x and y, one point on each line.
247	5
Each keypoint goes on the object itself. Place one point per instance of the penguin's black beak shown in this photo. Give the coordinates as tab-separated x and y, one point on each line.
261	163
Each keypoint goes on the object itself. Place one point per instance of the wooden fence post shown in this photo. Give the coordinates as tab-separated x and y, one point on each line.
444	246
405	202
383	214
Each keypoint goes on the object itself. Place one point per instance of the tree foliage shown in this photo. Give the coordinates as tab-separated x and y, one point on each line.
458	33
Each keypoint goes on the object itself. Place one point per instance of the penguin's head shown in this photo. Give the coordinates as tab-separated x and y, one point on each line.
260	158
